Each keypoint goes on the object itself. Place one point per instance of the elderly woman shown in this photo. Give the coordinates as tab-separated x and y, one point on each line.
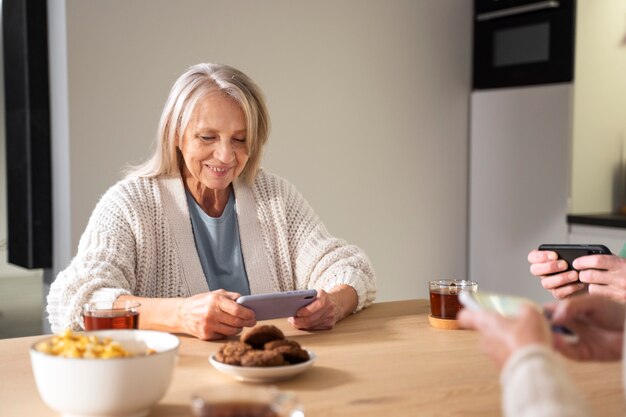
200	223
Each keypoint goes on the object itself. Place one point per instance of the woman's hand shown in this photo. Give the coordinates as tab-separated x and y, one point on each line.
502	336
598	323
327	309
604	274
213	315
547	266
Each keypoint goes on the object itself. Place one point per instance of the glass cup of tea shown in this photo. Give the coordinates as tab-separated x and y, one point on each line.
237	401
444	297
104	315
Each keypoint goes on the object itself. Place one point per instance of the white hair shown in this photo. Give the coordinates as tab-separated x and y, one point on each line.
189	88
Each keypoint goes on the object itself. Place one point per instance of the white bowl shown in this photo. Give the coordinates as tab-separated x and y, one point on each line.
124	387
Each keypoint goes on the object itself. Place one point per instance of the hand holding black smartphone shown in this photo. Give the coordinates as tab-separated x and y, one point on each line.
569	252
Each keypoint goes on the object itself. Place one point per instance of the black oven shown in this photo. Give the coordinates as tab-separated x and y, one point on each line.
523	42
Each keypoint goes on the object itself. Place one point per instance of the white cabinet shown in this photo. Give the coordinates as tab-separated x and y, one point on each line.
520	141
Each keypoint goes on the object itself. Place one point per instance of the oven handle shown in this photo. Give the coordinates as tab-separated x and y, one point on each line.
511	11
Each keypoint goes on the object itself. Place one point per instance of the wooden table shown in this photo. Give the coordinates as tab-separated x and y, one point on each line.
384	361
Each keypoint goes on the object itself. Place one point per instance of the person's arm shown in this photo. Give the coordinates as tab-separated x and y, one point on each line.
345	299
104	270
104	264
341	272
326	263
207	316
328	308
534	382
331	264
502	336
157	313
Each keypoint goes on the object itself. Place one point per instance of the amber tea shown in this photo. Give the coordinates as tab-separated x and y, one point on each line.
103	316
444	305
444	297
236	409
114	320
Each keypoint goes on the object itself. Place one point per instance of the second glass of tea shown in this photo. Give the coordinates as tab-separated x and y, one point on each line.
444	297
245	401
103	315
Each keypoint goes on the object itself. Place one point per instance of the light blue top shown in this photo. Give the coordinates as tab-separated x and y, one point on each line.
219	248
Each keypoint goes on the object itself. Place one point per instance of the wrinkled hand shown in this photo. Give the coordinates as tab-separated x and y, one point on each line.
598	323
547	266
321	314
214	315
502	336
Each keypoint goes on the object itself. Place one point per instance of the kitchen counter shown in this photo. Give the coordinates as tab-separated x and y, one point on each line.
598	219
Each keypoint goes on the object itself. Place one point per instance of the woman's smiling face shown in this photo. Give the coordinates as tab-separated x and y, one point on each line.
214	146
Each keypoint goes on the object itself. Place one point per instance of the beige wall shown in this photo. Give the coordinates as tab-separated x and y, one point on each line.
369	101
599	105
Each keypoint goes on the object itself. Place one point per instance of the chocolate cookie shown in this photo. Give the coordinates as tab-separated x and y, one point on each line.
262	358
290	349
232	352
282	342
258	336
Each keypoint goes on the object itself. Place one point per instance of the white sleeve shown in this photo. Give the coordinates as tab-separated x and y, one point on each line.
323	260
535	384
103	268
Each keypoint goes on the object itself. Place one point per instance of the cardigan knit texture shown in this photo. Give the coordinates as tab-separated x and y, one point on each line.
535	384
139	241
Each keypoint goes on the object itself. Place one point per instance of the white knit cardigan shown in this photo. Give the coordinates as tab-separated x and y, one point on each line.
535	383
139	241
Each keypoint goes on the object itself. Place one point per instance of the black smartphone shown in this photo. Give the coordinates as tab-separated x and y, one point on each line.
569	252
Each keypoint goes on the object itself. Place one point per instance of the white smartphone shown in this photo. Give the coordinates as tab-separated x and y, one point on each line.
278	304
505	305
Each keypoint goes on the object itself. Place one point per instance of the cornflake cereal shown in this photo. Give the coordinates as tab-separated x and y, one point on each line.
69	345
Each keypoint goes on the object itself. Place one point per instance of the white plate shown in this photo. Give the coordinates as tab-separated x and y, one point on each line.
260	373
